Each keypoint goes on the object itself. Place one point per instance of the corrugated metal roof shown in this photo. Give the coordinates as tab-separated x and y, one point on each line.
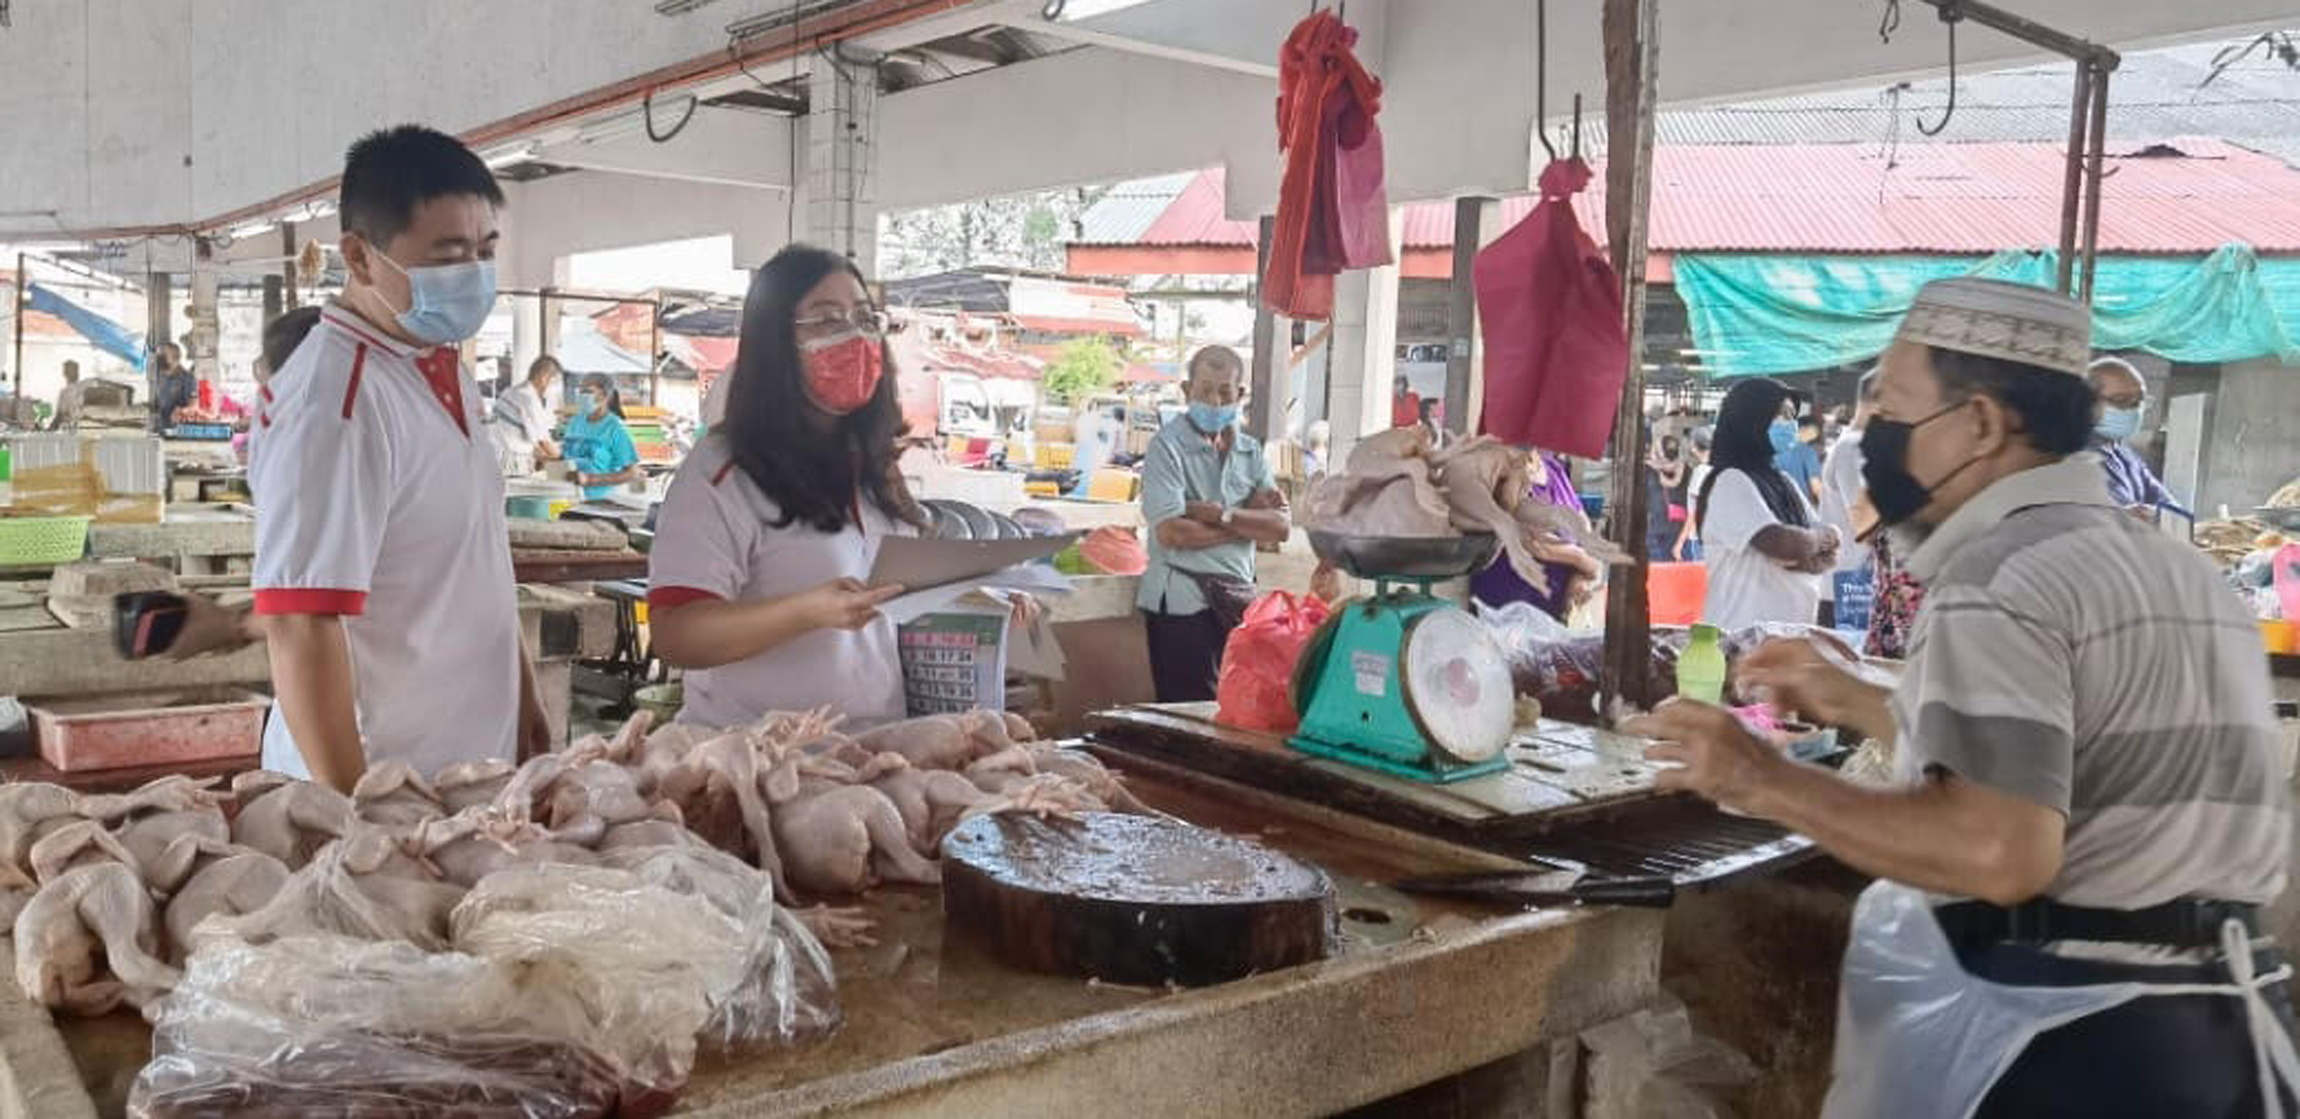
1851	198
1930	200
2154	95
1123	214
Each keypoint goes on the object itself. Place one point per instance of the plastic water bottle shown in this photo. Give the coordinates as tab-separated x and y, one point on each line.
1701	669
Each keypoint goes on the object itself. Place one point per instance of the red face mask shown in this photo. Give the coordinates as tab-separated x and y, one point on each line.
842	372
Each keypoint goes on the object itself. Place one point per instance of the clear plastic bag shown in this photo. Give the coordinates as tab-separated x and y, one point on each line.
697	931
329	1025
787	993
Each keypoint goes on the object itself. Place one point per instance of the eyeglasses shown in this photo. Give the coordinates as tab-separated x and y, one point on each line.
865	320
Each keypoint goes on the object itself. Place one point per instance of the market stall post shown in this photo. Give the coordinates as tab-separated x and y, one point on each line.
1632	56
1476	220
1262	388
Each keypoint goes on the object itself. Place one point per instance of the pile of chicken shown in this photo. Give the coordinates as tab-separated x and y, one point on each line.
104	891
1399	483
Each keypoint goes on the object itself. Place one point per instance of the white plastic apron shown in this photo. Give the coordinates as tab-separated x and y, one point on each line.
1913	1024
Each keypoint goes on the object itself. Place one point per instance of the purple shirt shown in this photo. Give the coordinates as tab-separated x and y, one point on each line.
2130	481
1499	583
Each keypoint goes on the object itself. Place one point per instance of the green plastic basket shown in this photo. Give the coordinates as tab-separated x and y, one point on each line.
34	540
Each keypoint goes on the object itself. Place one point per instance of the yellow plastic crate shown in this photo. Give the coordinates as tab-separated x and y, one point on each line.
1113	485
1056	456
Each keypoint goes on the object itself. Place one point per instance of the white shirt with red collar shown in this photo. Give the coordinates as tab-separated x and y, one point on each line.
716	539
381	502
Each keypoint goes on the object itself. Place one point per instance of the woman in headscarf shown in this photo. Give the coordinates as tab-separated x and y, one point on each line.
1766	550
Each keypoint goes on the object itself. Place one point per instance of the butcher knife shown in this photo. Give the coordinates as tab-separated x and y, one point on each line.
1546	887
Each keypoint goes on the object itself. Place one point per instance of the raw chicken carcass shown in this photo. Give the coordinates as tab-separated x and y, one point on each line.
1481	478
600	789
166	844
98	908
292	822
717	790
166	794
470	784
1089	772
646	833
941	741
471	845
78	844
930	800
236	884
395	795
28	811
395	898
846	840
1047	795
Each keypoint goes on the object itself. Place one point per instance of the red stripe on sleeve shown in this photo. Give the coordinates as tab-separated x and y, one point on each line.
667	599
311	600
720	475
351	389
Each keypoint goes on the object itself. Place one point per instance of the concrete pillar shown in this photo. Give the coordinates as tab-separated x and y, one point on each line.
200	341
1365	350
842	155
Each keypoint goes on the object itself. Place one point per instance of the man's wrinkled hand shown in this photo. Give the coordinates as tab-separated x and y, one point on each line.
1714	755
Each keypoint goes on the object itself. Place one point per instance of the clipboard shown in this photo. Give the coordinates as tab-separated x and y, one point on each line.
924	563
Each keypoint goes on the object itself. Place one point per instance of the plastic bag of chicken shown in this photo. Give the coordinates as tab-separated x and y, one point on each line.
331	1025
1254	690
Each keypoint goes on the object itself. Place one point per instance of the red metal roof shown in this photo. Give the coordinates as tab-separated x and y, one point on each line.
2189	197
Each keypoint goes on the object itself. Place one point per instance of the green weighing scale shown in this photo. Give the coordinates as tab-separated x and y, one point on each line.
1402	681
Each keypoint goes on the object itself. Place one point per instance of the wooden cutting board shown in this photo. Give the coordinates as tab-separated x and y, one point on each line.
1138	900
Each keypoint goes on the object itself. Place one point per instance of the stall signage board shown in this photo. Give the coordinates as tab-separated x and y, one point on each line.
1856	597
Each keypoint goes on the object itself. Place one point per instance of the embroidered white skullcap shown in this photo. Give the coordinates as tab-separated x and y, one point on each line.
2001	319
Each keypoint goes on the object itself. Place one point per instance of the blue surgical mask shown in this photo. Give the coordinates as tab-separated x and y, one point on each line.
2117	424
1784	435
446	302
1213	418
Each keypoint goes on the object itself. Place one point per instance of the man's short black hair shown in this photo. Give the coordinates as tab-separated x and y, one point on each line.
2055	408
387	174
284	333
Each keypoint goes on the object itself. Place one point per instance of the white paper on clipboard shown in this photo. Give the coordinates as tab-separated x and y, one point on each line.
922	563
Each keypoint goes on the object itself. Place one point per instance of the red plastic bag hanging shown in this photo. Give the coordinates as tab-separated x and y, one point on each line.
1312	238
1256	681
1556	348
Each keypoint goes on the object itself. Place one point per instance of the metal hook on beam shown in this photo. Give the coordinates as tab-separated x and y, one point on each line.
1541	76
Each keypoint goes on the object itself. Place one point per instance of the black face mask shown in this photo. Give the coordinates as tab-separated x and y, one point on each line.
1895	492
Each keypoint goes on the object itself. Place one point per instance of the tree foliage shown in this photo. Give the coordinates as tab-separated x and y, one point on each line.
1083	367
1026	231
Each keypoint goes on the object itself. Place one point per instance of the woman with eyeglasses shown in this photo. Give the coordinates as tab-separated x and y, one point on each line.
769	529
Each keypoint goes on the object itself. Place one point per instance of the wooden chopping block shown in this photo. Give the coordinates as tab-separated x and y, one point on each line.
1139	900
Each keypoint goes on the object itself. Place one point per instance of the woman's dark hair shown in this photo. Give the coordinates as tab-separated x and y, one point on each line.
812	480
537	366
2055	408
605	385
1743	441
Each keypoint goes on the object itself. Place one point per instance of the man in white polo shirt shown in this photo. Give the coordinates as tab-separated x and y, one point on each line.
383	570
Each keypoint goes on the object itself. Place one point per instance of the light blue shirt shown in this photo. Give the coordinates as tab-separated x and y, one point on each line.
601	446
1183	466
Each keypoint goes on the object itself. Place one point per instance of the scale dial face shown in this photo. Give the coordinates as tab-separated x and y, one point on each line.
1457	685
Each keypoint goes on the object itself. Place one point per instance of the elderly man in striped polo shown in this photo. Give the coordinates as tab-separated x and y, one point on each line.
2091	804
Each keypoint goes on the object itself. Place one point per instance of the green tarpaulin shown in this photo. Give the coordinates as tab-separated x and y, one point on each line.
1783	314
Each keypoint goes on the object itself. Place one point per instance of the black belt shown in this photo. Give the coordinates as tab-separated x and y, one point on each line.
2180	923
